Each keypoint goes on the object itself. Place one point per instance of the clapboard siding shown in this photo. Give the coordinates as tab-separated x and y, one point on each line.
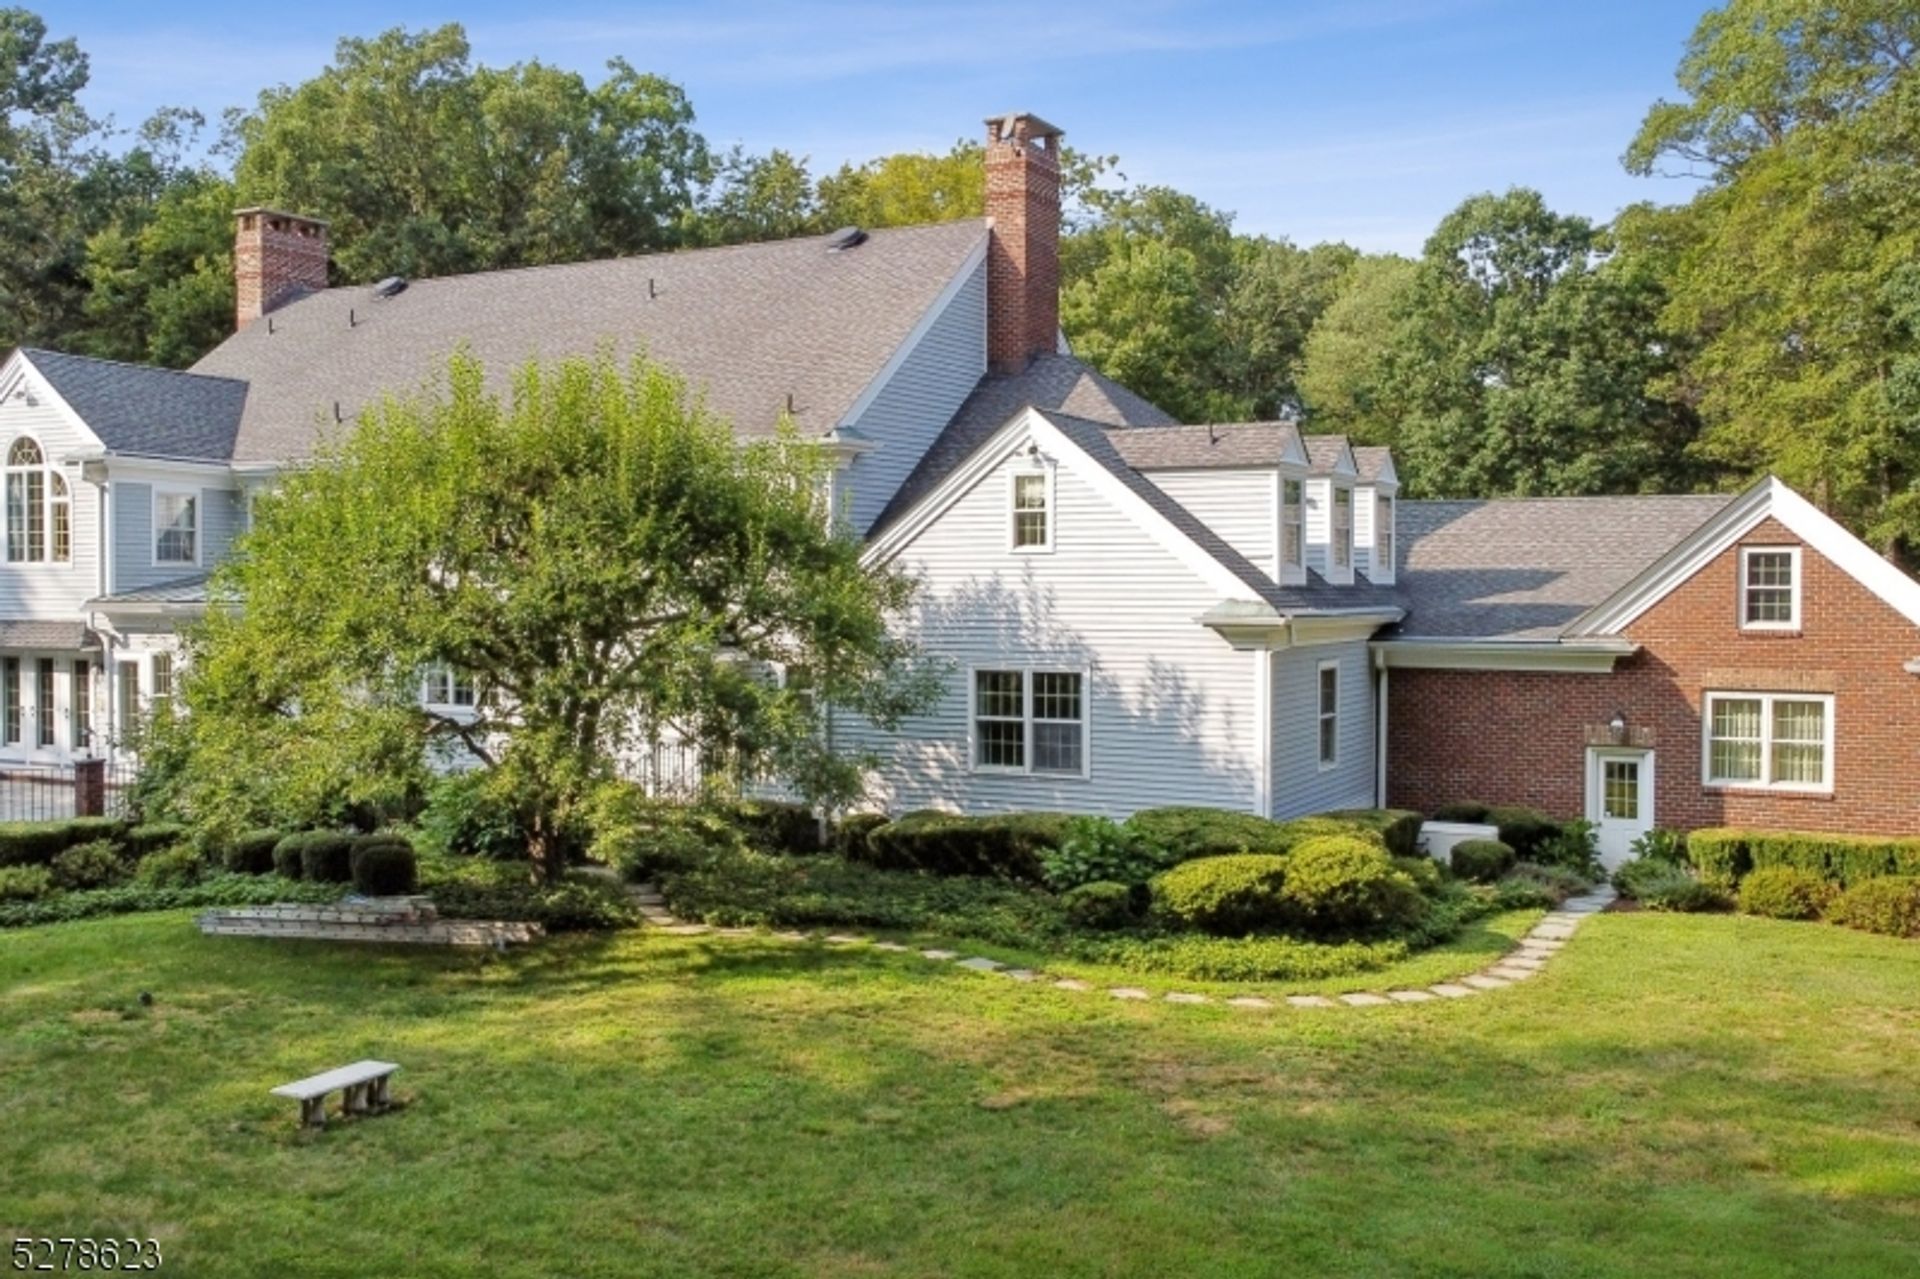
1300	785
221	513
52	591
1241	506
1172	705
918	401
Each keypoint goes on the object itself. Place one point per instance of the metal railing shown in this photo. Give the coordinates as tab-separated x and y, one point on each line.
45	792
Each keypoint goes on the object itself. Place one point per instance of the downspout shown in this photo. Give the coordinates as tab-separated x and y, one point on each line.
1263	729
1380	729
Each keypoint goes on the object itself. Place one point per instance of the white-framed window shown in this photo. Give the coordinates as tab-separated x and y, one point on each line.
1028	721
176	526
1293	523
1768	741
1327	691
39	507
442	686
45	725
1383	536
129	708
1030	499
162	676
81	703
1769	588
1342	528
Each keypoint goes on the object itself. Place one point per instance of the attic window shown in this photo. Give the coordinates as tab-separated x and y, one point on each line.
1032	511
1293	514
1770	588
1343	528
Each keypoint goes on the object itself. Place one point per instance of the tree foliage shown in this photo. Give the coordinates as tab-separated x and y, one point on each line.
606	563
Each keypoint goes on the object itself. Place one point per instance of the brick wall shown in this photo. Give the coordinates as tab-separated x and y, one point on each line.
277	257
1023	253
1521	737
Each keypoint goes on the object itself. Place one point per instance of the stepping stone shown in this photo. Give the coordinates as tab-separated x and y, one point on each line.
1452	990
1550	932
733	932
1249	1001
981	964
1547	944
791	935
687	930
1309	1001
1184	997
1410	996
1128	992
1523	960
1480	981
890	946
645	901
842	939
1507	973
1071	983
940	954
1019	974
1364	999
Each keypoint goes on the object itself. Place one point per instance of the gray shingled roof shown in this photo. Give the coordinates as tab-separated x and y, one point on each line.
56	636
1325	451
748	325
1525	568
1058	382
178	590
145	411
1199	447
1098	442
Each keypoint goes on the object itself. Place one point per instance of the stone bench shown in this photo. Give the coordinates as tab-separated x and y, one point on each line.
363	1086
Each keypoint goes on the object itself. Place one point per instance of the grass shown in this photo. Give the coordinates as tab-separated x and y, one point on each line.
1680	1095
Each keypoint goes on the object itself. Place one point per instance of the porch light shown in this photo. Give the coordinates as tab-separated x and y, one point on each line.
1617	726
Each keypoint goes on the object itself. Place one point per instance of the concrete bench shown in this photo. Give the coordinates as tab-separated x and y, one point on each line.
363	1085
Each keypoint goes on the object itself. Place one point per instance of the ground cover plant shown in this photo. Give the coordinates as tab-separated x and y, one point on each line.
1729	1095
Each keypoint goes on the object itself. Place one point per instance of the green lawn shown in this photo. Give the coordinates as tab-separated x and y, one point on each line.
1676	1095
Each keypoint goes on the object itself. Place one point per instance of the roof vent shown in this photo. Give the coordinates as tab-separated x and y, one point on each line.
391	285
845	238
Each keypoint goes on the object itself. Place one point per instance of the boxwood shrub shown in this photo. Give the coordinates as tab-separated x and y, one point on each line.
177	866
38	843
1006	845
1229	895
1785	892
775	826
286	855
1102	904
1525	830
1466	810
1343	883
154	837
92	865
1482	860
1888	905
251	853
1398	828
323	856
851	831
383	865
1724	855
24	883
1189	833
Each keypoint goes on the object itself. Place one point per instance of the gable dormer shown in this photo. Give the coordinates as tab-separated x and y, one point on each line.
1375	514
1246	481
1331	481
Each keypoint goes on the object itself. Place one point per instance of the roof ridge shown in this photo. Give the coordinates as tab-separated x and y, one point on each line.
681	251
129	364
1566	497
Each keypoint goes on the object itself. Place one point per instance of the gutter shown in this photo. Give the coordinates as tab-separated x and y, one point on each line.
1595	655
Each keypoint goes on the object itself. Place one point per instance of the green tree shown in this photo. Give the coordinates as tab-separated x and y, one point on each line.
906	189
1787	272
758	197
1277	294
1343	360
160	288
604	560
427	165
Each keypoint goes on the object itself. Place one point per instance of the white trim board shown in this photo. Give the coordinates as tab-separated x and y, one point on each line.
11	376
1594	657
1770	497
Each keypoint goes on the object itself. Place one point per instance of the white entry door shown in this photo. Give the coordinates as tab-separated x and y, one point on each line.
1619	799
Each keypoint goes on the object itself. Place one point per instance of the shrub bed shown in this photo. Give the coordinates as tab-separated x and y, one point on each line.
1007	846
1482	860
92	865
38	843
1724	855
326	857
1269	958
1102	904
1660	885
1398	828
1889	905
215	890
1185	834
1228	896
24	883
383	865
251	853
176	867
774	826
153	837
1342	883
1785	892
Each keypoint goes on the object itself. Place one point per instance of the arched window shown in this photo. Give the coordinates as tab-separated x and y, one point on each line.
39	507
26	502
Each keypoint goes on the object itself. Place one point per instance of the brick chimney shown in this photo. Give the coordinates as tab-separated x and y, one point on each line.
1023	249
277	257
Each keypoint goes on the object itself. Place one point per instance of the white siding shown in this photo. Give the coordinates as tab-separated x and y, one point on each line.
1363	527
1173	719
1300	784
1241	506
222	512
50	592
1319	523
918	401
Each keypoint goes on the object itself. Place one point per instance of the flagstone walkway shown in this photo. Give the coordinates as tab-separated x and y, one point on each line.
1523	963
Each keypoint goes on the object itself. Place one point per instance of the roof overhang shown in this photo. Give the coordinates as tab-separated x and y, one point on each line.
1594	656
1250	626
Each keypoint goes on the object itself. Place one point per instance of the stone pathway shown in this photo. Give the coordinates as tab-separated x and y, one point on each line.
1522	963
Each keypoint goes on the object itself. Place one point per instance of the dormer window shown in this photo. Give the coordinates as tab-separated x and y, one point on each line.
1032	511
1343	528
1770	588
1293	524
1383	536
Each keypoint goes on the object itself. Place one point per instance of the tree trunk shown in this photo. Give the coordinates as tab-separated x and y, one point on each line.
546	854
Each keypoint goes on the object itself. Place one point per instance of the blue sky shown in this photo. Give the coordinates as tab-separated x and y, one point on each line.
1359	120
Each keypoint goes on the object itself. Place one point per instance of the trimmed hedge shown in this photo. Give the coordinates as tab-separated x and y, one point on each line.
1102	904
323	856
1723	855
1186	834
1228	896
1398	828
1482	860
38	843
92	865
286	855
154	837
251	853
1785	892
851	831
383	865
1466	810
1343	883
1007	846
1889	905
774	825
1525	830
175	867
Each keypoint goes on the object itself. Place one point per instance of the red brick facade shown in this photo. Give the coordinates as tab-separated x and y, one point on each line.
276	258
1023	252
1521	737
